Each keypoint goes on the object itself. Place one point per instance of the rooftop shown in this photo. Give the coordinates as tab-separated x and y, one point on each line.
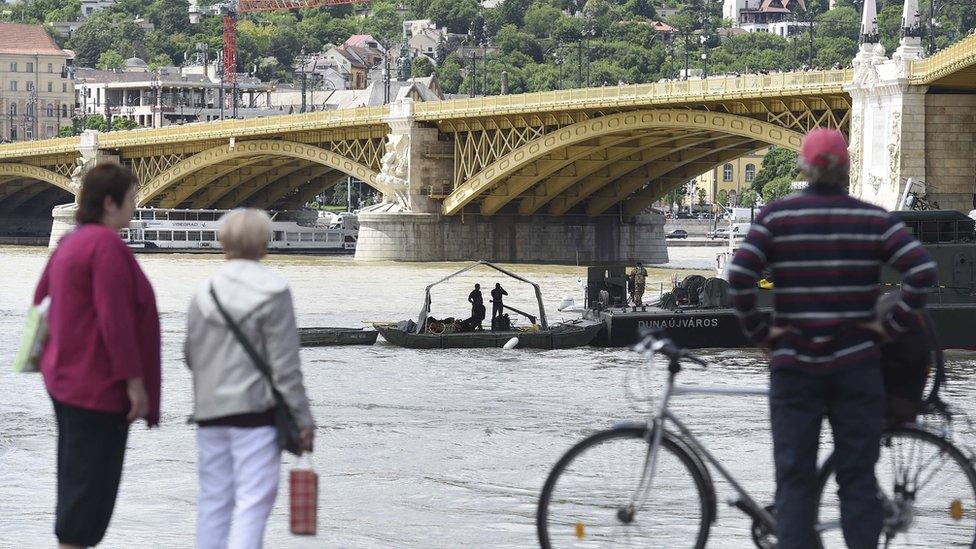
27	39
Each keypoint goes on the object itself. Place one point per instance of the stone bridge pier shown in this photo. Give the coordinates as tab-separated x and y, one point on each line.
901	129
413	227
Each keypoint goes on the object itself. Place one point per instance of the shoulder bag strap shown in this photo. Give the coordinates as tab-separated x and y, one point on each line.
256	358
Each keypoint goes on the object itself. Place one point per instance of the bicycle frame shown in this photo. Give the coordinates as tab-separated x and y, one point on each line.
746	503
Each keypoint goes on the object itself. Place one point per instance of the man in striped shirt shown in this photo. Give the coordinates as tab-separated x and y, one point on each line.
826	250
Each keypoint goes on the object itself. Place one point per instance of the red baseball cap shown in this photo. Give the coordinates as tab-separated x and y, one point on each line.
825	149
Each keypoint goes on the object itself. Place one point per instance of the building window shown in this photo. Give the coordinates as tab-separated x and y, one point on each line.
50	131
64	87
13	67
28	133
50	110
727	172
13	85
30	86
50	87
50	67
64	111
13	133
30	67
30	110
13	109
750	172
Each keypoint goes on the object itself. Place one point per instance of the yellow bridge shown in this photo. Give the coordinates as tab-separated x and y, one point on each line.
589	151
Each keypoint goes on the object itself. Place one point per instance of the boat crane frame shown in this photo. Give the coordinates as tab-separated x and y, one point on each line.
422	319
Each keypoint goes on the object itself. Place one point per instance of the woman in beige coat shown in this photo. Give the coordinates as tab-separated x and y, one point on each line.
239	459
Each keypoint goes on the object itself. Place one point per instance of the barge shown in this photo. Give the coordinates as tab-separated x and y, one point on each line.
702	321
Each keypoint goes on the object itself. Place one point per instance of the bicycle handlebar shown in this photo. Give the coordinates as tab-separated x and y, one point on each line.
655	342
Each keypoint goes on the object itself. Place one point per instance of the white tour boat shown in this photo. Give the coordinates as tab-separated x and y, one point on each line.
299	231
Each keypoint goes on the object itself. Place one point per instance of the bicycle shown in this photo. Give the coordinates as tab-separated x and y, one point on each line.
646	484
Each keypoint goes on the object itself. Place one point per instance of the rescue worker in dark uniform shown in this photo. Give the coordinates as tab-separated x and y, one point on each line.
497	306
640	280
826	250
477	302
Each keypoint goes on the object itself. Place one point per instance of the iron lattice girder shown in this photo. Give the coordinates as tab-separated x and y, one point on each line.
619	189
527	177
620	168
280	187
650	194
310	190
480	142
178	194
565	178
241	193
621	123
212	193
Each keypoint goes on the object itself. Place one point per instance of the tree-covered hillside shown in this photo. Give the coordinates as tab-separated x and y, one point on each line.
542	44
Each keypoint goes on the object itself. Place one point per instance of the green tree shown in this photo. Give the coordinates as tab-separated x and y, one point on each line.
160	60
456	15
778	163
748	198
777	188
95	122
385	22
121	123
421	67
110	60
722	197
449	74
701	198
540	20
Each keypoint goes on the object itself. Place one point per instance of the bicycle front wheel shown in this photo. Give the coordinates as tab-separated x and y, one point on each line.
928	489
586	498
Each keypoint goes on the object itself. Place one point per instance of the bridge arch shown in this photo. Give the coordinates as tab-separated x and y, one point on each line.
32	190
633	121
171	178
27	171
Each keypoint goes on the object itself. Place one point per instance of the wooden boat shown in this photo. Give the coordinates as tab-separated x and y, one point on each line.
540	335
568	335
323	337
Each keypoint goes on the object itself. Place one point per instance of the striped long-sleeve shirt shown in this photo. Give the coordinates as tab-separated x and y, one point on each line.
826	250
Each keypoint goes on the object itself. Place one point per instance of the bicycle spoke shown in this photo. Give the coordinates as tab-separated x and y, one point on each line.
602	479
930	491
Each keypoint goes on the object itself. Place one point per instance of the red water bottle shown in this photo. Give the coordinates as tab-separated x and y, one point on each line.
304	498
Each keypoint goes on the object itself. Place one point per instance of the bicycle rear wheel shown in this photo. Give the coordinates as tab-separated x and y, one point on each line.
929	492
582	500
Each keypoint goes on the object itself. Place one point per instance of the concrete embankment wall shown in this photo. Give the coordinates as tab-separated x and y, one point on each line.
695	227
510	238
25	230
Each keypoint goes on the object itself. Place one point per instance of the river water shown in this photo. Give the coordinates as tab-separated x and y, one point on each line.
414	448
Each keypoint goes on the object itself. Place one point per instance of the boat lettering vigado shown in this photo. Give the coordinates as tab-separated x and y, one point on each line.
298	231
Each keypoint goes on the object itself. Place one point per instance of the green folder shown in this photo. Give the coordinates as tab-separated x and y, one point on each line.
28	357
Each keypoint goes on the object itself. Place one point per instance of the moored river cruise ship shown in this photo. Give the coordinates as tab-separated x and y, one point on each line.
299	231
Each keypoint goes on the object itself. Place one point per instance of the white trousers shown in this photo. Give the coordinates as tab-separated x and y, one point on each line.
239	469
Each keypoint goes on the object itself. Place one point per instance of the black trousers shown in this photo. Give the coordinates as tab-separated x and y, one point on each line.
91	448
853	401
497	310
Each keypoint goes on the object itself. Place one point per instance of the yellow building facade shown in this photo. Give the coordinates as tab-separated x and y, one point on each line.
36	92
732	177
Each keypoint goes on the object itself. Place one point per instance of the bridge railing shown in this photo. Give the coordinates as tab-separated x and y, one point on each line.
59	145
710	89
249	126
944	62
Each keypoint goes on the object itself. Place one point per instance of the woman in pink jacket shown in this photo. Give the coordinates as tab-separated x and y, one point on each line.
101	363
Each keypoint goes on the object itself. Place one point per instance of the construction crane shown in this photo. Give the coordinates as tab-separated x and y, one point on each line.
230	9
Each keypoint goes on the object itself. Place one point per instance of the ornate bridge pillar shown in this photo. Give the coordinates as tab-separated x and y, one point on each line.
888	131
88	156
413	162
887	128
